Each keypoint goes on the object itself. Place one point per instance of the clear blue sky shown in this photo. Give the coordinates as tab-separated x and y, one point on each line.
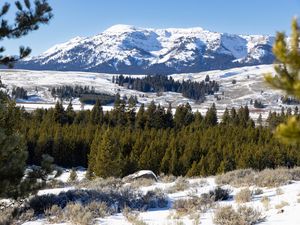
89	17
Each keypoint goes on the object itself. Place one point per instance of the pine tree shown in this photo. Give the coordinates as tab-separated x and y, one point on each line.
226	117
211	118
259	120
108	158
13	156
96	116
70	113
287	78
141	117
59	113
27	19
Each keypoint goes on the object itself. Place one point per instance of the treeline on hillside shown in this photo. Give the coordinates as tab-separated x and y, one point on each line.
289	100
122	141
19	92
86	94
159	83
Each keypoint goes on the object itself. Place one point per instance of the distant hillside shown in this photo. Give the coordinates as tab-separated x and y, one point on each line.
131	50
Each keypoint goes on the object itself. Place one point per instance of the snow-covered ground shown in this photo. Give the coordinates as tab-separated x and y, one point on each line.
249	85
273	216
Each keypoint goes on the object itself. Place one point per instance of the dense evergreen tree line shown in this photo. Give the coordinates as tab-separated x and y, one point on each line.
68	92
258	104
124	140
289	100
19	92
159	83
86	94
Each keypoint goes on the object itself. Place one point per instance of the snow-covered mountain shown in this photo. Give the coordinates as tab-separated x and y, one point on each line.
132	50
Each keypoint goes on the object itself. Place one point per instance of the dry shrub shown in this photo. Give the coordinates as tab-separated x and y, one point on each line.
6	216
265	178
281	205
258	191
156	199
15	215
237	178
199	184
55	184
54	214
26	216
77	214
181	184
132	216
99	209
194	204
243	196
265	201
242	216
227	216
250	215
279	191
273	178
73	176
100	183
295	172
167	178
195	218
115	198
142	182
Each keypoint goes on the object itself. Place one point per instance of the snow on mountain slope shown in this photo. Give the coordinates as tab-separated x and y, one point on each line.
133	50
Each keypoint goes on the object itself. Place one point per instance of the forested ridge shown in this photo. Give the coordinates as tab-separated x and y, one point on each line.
160	83
124	140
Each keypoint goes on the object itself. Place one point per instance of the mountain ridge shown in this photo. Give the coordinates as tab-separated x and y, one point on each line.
133	50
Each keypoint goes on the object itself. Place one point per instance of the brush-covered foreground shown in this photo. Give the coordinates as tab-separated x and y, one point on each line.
241	197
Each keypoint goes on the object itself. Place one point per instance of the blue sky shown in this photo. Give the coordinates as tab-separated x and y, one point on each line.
89	17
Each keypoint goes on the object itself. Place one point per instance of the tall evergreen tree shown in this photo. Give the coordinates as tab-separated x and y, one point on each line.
108	158
211	118
13	155
96	116
287	78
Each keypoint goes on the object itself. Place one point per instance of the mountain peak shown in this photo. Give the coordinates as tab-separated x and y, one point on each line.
120	28
134	50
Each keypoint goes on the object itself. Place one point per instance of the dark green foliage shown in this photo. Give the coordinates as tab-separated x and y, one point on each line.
159	83
219	194
211	118
86	94
12	163
13	152
106	156
287	68
68	92
258	104
290	100
121	141
259	120
19	92
91	99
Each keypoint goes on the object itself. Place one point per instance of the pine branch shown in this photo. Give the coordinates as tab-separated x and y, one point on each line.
27	19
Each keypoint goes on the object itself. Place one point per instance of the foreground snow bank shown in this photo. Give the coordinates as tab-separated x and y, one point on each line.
279	205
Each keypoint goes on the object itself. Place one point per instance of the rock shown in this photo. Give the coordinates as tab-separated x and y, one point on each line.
142	174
